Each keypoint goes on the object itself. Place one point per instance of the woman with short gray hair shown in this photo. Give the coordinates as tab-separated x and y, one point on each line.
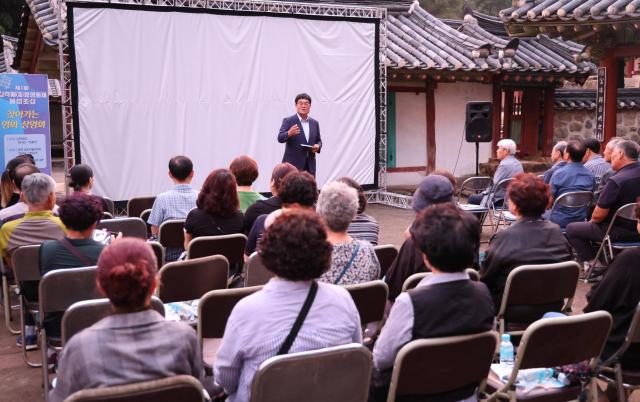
352	261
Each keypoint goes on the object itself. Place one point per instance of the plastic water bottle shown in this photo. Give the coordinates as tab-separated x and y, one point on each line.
544	375
506	350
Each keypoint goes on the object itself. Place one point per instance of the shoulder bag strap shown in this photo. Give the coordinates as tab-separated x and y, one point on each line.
346	267
284	349
74	250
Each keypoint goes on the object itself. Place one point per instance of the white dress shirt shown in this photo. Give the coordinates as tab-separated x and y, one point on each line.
305	127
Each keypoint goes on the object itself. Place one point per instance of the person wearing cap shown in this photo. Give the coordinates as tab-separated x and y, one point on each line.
529	240
434	189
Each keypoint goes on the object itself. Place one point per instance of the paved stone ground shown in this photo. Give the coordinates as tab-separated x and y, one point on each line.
18	383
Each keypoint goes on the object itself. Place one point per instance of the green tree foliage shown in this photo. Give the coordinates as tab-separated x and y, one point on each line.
10	11
453	8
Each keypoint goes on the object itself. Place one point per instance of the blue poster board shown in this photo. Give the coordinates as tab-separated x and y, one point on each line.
24	119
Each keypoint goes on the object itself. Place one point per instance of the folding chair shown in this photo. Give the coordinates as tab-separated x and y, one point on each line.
130	227
111	209
57	291
370	299
8	287
136	205
106	215
475	185
553	342
612	372
144	215
626	211
214	310
386	254
413	281
498	213
231	246
183	388
339	373
533	290
573	199
171	233
158	250
26	268
453	363
83	314
190	279
256	273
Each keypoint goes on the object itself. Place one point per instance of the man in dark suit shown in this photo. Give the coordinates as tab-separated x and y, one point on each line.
301	133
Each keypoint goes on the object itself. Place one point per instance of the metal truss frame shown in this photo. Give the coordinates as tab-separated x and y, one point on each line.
258	6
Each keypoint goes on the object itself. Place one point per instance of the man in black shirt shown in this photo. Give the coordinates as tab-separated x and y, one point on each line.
622	188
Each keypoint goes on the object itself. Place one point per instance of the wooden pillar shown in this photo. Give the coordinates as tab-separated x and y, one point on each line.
610	92
431	124
531	120
496	110
549	113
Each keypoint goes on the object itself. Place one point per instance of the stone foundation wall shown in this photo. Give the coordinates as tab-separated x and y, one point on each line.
574	124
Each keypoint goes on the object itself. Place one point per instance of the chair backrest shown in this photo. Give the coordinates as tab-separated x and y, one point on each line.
501	185
130	227
627	211
190	279
386	254
256	273
476	184
541	288
340	373
215	307
83	314
574	199
171	233
231	246
553	342
370	299
106	215
158	250
461	361
182	388
111	208
413	281
137	205
26	263
60	288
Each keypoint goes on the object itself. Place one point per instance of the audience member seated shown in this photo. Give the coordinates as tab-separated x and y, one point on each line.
296	250
509	167
18	209
298	189
434	189
608	151
134	344
38	224
245	169
448	239
217	210
621	188
363	226
573	177
529	240
81	180
271	204
619	294
557	157
10	194
352	261
593	161
175	203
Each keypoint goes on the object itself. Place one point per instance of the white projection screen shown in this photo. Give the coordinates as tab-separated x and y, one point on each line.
149	83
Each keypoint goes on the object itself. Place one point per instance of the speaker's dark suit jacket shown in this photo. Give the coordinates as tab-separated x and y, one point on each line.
294	153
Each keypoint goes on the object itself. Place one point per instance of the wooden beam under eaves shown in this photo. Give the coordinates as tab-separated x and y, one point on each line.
36	55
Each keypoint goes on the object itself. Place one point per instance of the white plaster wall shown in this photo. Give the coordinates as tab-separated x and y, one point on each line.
451	100
411	129
404	178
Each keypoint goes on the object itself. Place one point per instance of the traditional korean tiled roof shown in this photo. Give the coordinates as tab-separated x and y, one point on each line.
585	99
566	10
45	14
418	40
7	53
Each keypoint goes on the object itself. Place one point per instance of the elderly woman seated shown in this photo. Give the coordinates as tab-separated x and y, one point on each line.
352	261
529	240
135	343
295	248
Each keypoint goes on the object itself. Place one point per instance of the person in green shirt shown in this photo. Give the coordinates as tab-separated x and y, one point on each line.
245	169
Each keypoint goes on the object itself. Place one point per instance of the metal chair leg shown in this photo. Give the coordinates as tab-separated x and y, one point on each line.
24	339
45	367
622	397
6	294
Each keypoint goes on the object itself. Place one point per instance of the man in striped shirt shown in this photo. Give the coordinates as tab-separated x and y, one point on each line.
593	161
